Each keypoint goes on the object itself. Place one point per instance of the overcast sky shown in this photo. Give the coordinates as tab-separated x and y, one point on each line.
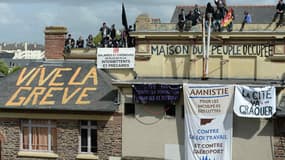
25	20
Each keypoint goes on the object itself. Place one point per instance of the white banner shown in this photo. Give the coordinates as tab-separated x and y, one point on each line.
109	58
255	102
208	121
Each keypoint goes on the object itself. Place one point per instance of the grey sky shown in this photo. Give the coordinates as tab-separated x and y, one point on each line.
25	20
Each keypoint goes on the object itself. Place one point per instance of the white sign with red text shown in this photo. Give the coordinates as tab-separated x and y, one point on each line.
115	58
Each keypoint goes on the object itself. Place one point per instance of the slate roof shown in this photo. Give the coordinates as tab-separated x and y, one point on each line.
259	14
6	55
1	75
101	100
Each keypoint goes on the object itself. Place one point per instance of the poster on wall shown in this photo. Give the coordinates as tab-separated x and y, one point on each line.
208	121
156	93
255	102
115	58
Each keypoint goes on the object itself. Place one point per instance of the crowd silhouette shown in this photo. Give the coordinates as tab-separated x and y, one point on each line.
107	37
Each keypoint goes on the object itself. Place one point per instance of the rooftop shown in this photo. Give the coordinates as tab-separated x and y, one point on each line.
262	14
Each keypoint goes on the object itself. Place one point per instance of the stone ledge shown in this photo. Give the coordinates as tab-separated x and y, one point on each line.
277	58
37	154
86	156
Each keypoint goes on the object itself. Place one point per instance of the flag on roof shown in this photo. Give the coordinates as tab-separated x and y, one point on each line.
228	18
124	18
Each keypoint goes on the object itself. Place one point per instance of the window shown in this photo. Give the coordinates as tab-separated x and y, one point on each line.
117	98
38	135
129	109
170	110
88	136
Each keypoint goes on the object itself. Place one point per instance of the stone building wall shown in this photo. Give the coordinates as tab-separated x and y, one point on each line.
67	139
68	133
279	139
279	146
110	137
10	129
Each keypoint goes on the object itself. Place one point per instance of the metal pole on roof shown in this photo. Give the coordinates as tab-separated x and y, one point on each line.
208	44
204	48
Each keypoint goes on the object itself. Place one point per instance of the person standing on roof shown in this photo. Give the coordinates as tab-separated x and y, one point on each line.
189	20
89	41
217	20
221	5
197	15
246	19
209	14
69	43
105	33
279	11
80	42
181	20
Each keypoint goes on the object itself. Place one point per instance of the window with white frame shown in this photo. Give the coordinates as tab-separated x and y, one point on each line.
88	136
38	135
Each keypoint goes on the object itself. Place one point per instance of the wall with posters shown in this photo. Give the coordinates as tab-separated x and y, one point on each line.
149	132
161	136
173	55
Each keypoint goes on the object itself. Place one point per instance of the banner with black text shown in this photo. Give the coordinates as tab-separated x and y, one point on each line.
208	121
115	58
255	102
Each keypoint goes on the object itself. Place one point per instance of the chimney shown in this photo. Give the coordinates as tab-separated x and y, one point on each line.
54	42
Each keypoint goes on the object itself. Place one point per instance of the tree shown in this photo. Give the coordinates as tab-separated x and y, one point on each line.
4	68
97	39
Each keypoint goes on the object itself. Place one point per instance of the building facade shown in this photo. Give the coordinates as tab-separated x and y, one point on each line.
167	57
68	109
58	109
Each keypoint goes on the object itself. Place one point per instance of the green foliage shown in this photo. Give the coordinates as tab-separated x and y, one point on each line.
97	39
14	69
118	36
4	68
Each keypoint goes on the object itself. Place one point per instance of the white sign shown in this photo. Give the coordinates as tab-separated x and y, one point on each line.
109	58
255	102
208	121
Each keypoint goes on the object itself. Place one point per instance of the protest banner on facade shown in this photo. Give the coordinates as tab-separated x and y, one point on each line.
114	58
208	121
255	102
156	93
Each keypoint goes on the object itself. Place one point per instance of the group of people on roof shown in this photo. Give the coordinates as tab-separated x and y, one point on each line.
221	18
107	37
71	43
185	22
110	38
